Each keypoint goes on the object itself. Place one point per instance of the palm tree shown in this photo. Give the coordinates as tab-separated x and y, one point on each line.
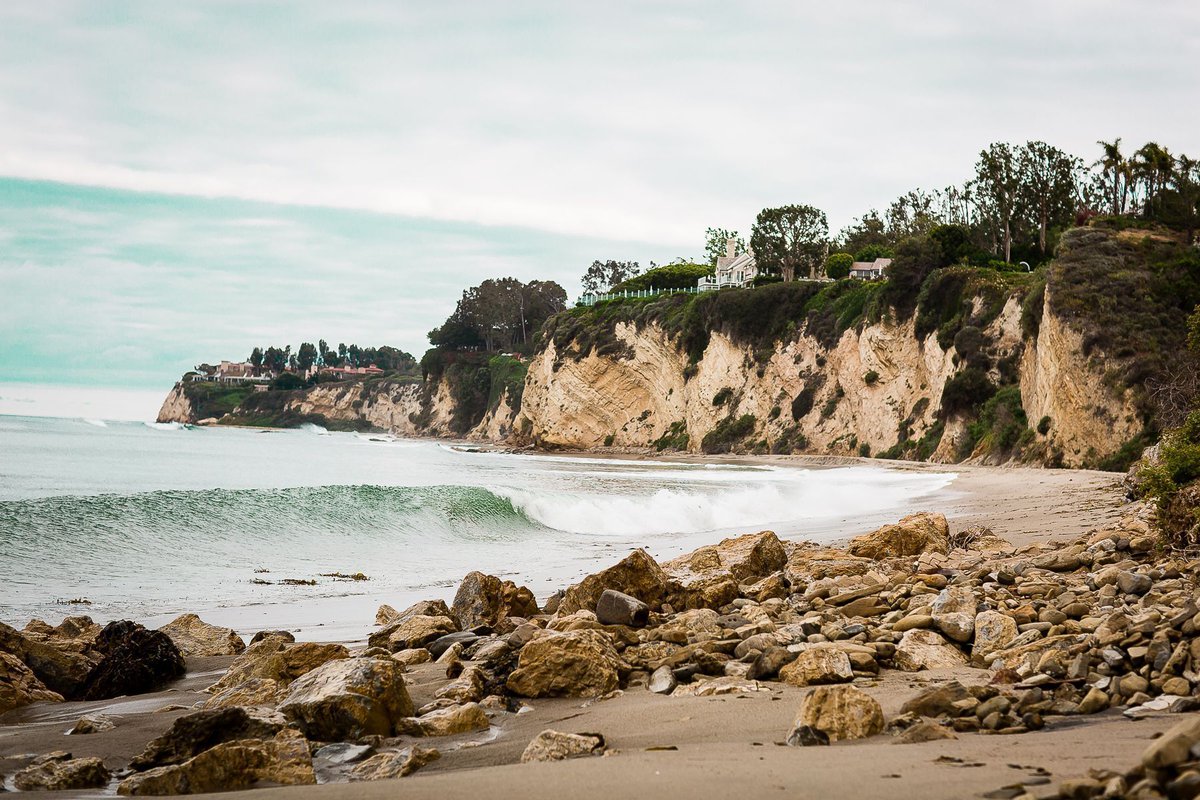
1153	165
1113	162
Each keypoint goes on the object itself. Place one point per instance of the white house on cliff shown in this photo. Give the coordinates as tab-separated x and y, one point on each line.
732	270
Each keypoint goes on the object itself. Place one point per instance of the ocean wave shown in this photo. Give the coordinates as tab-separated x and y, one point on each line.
99	423
165	426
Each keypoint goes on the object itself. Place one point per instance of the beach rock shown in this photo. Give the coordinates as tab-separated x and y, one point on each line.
386	615
954	613
746	558
915	534
134	660
836	713
818	665
550	745
275	658
468	687
486	600
418	631
194	733
75	634
385	766
453	720
637	574
438	647
616	608
59	772
924	731
19	686
61	671
769	663
924	649
938	701
349	698
339	753
662	681
993	631
979	538
194	637
575	664
92	723
284	759
286	636
425	608
254	692
1174	746
413	656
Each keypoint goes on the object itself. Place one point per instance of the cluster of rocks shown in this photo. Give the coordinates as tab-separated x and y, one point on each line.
1064	628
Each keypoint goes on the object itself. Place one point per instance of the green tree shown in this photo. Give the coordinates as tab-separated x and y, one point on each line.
998	186
837	266
790	239
1153	167
1048	181
602	275
716	244
306	356
1115	172
867	231
256	357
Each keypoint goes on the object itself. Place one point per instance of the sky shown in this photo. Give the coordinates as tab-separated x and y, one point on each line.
180	182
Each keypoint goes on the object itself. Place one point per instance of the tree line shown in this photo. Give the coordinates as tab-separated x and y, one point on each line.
499	314
308	355
1015	205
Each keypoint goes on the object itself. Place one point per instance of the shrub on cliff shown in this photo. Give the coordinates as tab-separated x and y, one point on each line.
728	433
668	276
1172	482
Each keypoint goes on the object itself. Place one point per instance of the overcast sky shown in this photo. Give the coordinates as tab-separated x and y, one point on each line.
525	138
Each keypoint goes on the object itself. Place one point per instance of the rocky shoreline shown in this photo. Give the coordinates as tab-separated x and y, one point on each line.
914	634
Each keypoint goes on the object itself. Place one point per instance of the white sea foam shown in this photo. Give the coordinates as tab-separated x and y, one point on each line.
164	426
310	427
99	423
786	496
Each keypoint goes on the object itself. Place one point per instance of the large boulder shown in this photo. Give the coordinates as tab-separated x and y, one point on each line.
59	772
61	670
617	608
19	686
385	766
993	632
390	619
76	634
134	660
915	534
938	701
277	659
194	637
580	663
192	734
261	692
746	559
552	745
418	631
834	714
817	665
486	600
954	613
637	574
920	649
284	759
453	720
349	698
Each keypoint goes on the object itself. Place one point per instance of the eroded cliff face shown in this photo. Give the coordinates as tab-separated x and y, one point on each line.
176	407
876	385
859	392
1087	417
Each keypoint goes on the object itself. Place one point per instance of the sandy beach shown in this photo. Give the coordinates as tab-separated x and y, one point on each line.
723	746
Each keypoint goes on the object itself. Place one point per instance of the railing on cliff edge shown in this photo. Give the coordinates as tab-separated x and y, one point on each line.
590	299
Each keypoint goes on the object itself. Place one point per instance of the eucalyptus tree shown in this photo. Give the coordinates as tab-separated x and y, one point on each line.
790	238
997	186
716	244
1048	193
602	275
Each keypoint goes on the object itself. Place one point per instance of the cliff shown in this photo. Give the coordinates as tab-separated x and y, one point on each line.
963	364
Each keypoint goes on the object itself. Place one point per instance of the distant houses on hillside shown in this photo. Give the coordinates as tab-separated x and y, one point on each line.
241	373
869	270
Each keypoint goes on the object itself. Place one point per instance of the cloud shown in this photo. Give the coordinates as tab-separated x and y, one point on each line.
644	121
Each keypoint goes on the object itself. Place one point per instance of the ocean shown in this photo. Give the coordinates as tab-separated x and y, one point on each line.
146	521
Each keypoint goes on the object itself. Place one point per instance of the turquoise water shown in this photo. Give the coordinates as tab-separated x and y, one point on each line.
148	521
